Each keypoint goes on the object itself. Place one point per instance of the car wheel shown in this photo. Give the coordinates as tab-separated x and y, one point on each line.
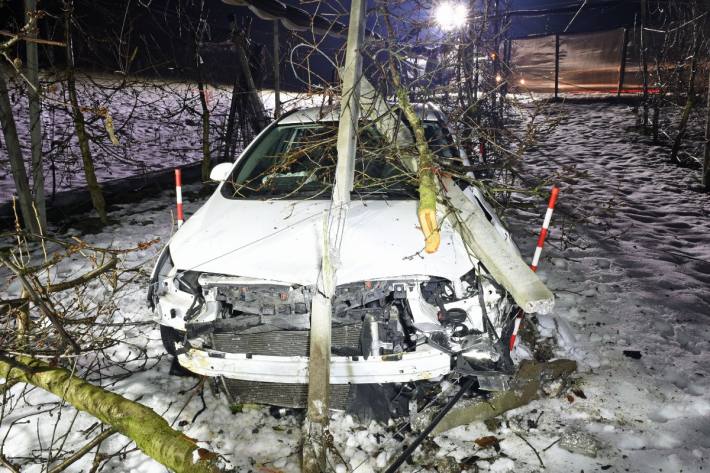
169	336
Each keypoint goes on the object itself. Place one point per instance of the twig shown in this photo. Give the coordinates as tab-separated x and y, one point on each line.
551	445
6	463
83	450
21	37
532	448
39	302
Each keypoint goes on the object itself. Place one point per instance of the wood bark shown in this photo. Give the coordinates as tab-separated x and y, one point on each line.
14	153
525	388
35	110
426	211
97	196
150	432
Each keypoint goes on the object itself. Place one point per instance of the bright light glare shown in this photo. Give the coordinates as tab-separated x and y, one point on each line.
450	16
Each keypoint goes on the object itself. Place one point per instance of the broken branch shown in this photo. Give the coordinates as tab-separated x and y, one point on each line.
150	432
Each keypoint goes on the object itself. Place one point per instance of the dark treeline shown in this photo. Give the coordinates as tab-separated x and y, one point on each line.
154	38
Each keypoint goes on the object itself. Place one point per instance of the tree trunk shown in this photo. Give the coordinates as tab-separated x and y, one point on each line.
205	115
706	160
644	63
257	112
206	159
690	101
35	116
97	196
14	153
150	432
229	134
277	72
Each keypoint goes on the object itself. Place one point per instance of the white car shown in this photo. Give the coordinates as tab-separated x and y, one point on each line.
233	287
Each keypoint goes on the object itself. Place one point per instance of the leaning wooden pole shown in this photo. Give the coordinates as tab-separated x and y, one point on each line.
151	433
316	423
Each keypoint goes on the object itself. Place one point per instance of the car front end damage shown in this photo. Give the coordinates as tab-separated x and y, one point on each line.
389	336
236	283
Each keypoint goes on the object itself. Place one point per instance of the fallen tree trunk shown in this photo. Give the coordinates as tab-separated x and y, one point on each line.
151	433
524	389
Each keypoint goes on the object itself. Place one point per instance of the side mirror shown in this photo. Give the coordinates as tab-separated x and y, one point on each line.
221	172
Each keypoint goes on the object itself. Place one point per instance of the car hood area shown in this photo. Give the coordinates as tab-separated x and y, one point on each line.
281	241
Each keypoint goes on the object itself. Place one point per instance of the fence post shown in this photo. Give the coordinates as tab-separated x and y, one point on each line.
178	197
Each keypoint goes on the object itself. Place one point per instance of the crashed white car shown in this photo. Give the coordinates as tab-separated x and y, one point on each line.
233	287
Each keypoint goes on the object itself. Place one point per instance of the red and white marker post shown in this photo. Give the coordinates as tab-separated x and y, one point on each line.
178	194
536	257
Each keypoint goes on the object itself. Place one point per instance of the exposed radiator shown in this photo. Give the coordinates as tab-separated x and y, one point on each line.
281	394
285	342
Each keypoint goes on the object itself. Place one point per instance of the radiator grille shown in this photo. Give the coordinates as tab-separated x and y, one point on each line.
285	342
281	394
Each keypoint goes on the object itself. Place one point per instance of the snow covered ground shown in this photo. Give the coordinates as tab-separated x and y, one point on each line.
629	262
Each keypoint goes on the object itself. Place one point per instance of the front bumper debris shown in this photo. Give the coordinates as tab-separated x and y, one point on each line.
424	364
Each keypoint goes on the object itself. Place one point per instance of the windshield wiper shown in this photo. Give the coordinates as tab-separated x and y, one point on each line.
384	194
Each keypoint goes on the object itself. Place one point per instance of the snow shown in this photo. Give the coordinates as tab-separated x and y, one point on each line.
629	261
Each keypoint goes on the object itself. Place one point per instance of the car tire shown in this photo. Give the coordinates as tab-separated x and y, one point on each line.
169	336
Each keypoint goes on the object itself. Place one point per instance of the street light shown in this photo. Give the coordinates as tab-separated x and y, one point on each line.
450	16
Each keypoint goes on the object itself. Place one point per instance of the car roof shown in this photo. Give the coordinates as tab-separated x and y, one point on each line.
427	112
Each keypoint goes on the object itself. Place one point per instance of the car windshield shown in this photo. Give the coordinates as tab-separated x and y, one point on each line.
297	161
